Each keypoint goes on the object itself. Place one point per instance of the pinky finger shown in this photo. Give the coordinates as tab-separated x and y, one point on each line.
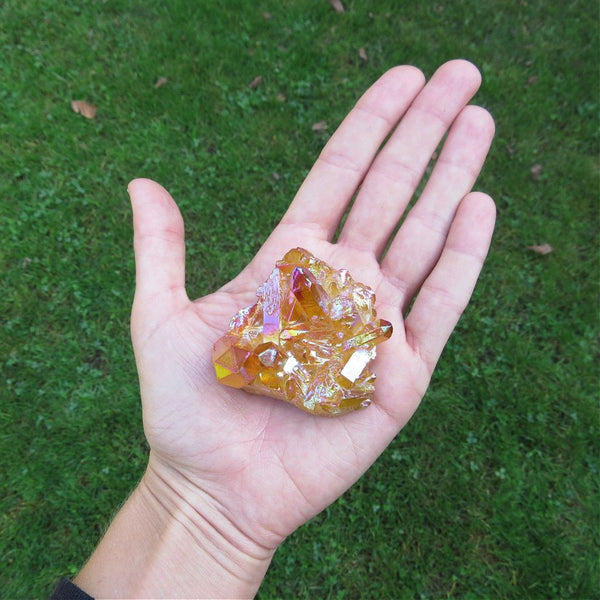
448	288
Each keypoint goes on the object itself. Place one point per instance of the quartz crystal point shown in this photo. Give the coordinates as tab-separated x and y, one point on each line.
308	340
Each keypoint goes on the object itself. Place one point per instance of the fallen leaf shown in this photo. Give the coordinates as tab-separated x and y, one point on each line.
281	97
541	248
363	54
319	126
337	5
84	108
160	82
536	172
255	82
266	16
531	80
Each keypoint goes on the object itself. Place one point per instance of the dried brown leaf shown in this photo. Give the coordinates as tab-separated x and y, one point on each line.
531	80
281	97
319	126
84	108
255	82
266	16
536	172
363	54
160	82
541	248
337	5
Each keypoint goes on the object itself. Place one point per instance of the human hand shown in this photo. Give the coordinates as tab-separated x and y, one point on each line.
254	469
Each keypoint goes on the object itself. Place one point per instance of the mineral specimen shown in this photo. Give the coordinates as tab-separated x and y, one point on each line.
308	339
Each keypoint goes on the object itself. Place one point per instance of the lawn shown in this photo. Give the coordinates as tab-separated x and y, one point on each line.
491	491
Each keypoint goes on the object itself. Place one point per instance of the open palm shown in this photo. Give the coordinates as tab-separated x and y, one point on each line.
263	464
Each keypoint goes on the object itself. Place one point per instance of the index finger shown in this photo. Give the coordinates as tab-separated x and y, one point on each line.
343	162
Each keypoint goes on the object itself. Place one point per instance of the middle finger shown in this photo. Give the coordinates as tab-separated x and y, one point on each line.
396	172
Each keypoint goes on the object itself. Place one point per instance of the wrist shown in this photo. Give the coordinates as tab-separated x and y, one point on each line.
171	540
196	532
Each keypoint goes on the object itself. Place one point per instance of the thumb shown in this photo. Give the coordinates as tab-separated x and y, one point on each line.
159	244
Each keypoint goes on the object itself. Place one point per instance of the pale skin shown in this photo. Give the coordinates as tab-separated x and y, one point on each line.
231	475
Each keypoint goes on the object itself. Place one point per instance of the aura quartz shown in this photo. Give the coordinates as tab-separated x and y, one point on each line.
308	340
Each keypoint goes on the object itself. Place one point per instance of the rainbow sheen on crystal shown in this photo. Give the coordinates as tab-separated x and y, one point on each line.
308	340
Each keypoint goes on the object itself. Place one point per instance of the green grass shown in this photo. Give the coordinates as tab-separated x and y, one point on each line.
492	490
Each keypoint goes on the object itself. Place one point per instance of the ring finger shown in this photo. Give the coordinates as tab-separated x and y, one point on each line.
419	242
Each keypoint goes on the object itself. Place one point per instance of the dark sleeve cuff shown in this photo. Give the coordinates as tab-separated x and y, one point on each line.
67	590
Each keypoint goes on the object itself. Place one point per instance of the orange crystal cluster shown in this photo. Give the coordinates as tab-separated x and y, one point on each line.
308	339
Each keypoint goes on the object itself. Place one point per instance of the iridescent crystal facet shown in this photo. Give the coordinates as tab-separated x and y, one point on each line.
308	340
